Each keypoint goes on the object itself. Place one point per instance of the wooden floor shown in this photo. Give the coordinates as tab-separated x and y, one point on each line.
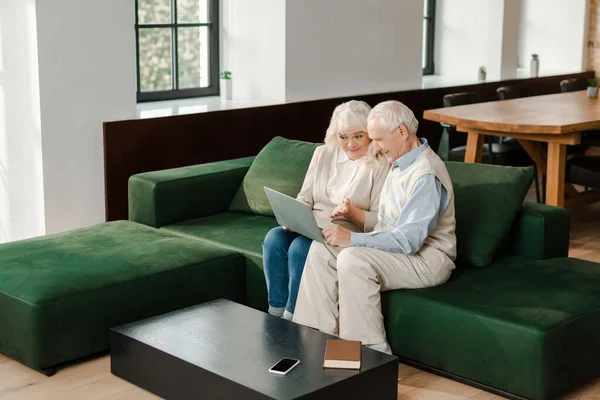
92	379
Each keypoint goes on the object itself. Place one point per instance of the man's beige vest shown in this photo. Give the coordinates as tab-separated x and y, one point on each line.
397	188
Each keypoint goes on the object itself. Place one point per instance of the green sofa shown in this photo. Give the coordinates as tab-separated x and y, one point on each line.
516	316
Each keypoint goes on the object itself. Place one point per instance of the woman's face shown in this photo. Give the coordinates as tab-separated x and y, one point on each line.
355	145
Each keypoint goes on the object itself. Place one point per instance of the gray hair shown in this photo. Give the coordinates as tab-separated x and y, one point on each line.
393	113
347	118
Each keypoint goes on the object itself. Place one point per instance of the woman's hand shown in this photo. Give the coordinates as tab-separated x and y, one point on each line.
342	210
337	236
349	211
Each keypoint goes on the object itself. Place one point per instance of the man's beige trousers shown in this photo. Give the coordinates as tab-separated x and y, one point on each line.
340	289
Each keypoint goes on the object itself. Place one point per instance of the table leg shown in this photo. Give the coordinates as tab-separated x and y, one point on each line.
535	152
555	187
474	150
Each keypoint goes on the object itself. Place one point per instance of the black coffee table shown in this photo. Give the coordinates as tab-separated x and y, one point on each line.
223	350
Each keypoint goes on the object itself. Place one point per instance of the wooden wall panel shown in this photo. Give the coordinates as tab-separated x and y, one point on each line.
141	145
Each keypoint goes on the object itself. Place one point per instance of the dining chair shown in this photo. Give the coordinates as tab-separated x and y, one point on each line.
583	170
496	150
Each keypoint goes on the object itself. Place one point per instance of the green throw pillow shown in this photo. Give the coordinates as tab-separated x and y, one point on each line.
487	199
280	165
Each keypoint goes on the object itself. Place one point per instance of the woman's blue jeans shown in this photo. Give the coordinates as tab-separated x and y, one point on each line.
284	256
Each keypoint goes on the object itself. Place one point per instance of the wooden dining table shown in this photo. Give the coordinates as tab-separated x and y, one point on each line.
555	120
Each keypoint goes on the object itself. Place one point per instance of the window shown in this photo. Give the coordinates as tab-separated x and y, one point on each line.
177	46
428	36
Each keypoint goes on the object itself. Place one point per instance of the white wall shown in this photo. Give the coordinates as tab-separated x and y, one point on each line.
87	76
556	30
21	185
225	12
510	39
254	39
348	47
468	34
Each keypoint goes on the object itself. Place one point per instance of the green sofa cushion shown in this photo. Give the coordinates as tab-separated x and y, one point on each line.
240	232
487	199
60	294
280	165
527	327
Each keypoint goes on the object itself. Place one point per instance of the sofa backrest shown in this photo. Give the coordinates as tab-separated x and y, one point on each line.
281	165
487	197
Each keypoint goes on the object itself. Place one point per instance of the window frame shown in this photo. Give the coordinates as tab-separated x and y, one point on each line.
175	93
429	20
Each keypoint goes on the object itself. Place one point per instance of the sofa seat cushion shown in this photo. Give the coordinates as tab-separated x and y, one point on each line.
60	294
236	231
240	232
487	199
281	165
530	328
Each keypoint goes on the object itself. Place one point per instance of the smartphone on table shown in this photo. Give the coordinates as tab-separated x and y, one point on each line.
283	366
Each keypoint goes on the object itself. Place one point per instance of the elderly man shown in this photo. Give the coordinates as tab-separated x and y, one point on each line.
413	244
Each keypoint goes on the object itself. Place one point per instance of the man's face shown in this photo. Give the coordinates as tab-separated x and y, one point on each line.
389	144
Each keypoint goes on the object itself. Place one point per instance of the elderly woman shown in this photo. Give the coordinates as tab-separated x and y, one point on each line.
342	185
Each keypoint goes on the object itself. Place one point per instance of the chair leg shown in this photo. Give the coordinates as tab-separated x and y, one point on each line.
543	194
444	146
537	184
490	143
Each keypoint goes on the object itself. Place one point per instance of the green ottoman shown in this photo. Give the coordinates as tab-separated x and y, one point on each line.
60	294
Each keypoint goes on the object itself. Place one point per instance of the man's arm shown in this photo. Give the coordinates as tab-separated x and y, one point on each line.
428	199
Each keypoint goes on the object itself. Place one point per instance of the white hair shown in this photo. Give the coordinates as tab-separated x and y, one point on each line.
392	113
347	118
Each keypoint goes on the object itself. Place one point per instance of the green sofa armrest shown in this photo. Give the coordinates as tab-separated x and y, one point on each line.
165	197
540	232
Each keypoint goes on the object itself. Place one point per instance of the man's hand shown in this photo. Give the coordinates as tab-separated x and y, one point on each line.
337	236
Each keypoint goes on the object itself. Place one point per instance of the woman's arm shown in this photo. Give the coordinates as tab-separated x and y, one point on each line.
306	192
365	219
355	214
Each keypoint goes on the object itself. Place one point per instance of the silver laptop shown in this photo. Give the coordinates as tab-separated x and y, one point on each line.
294	215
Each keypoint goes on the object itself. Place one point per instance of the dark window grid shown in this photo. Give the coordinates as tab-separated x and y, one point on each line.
175	92
429	21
